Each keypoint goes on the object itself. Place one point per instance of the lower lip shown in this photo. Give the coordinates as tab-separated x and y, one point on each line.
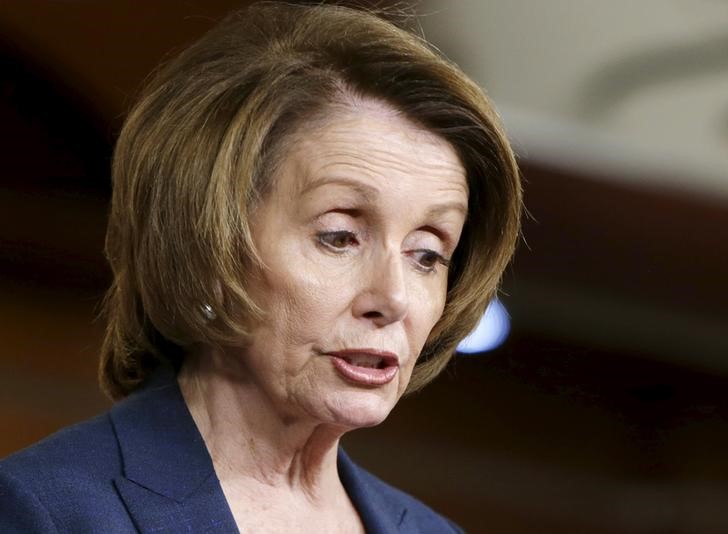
367	376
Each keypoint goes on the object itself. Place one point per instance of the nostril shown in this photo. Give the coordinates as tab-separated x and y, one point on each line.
373	315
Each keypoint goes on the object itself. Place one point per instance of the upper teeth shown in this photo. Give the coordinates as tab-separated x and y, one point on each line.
364	360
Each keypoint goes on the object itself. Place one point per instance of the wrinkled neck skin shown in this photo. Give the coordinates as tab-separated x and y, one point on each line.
257	448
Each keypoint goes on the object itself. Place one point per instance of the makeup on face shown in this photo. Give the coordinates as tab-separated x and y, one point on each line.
356	237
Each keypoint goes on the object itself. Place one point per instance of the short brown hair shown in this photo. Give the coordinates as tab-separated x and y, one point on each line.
195	153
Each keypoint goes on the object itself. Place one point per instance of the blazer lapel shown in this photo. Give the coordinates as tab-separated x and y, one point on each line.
380	513
169	483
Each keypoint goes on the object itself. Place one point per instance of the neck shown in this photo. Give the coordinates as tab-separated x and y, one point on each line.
253	442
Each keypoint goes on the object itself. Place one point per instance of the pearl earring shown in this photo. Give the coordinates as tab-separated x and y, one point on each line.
208	312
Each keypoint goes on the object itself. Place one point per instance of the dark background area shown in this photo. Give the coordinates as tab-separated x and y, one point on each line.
605	410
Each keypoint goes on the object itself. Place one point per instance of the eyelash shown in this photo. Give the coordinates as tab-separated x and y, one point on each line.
437	258
325	239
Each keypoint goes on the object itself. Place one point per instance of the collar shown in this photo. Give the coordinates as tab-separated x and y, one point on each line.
169	482
378	506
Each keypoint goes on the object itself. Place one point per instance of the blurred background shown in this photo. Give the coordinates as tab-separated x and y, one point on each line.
604	409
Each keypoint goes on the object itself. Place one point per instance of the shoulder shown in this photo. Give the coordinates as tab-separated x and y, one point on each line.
79	452
417	512
377	501
69	475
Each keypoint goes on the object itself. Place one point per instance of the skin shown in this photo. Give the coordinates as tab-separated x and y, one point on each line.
355	234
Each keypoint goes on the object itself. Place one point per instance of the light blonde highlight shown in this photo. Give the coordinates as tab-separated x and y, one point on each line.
196	154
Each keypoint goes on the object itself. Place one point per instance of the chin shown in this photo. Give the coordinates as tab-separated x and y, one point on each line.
359	408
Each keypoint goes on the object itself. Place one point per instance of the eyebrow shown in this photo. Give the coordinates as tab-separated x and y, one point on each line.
364	190
369	193
439	209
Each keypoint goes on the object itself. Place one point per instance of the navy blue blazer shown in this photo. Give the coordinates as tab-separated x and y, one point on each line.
143	467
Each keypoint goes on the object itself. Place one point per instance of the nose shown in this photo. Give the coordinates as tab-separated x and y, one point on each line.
383	297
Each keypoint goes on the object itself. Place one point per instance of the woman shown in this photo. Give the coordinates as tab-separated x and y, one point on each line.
310	209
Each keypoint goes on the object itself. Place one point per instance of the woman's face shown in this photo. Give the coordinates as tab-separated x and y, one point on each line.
356	232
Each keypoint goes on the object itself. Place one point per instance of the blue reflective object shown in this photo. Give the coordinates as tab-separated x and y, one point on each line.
491	332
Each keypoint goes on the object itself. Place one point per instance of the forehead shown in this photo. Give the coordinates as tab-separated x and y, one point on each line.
372	145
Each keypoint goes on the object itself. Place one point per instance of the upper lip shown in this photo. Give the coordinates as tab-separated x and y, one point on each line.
387	358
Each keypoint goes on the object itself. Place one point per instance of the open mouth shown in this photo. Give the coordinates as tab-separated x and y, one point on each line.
369	368
368	360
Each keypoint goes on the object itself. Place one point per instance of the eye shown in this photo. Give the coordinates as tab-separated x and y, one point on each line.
338	241
427	260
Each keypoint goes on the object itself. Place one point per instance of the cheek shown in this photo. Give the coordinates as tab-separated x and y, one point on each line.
426	309
300	304
431	297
